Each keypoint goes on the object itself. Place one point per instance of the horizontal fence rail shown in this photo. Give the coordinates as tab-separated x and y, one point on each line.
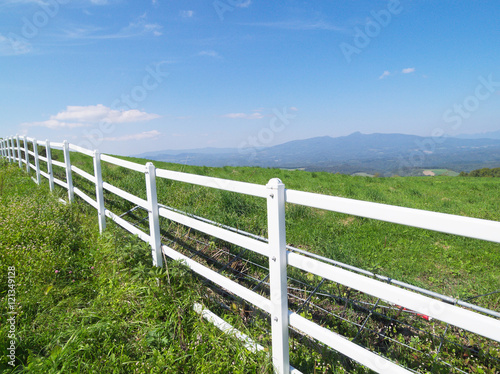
447	223
25	152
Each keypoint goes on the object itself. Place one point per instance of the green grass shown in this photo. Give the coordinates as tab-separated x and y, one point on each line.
448	264
87	303
451	265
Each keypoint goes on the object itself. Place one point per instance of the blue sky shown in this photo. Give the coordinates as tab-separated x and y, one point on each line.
127	77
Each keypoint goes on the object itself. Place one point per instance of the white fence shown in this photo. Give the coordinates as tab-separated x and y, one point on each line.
274	248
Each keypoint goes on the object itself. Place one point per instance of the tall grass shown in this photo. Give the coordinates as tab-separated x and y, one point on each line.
87	303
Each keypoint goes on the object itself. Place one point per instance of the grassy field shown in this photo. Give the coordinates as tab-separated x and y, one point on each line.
87	303
115	295
451	265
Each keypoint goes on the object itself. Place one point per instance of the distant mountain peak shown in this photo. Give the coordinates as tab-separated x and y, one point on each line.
357	152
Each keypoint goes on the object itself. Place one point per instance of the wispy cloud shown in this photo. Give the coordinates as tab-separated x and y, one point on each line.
82	116
12	46
187	13
45	2
385	74
21	2
244	4
298	25
136	28
139	136
140	26
209	53
254	115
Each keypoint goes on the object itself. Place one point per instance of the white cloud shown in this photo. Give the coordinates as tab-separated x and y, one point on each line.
235	115
294	109
81	116
298	25
99	2
209	54
387	73
244	4
13	45
255	115
20	2
187	13
384	74
138	27
140	136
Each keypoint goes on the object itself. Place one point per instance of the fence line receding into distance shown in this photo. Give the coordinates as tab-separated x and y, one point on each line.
442	308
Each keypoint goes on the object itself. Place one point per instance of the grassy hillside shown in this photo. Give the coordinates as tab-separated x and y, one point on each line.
454	266
87	303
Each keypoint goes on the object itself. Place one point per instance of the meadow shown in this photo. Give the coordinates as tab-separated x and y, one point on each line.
448	264
88	301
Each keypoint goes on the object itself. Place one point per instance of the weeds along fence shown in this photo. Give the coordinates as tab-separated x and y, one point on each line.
384	292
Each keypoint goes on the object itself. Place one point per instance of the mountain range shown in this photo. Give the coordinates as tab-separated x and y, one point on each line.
386	154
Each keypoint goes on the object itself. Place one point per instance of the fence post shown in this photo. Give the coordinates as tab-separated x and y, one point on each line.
69	177
11	150
278	279
11	146
99	192
26	155
2	147
49	164
19	152
7	151
15	142
37	162
154	216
